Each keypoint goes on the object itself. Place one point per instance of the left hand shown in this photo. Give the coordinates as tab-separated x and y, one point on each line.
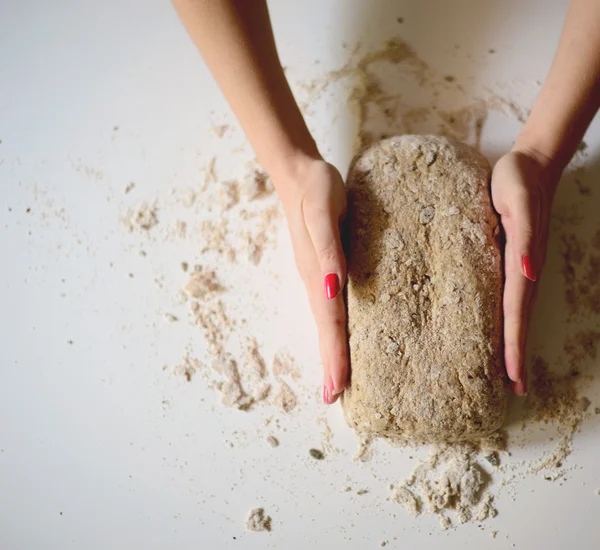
523	187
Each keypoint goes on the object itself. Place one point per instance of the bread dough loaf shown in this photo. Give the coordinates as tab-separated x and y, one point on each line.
424	293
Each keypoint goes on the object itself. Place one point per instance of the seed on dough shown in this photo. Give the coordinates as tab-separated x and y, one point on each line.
427	215
430	158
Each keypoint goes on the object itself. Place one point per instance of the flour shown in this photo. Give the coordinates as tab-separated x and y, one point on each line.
220	130
232	392
449	480
210	174
283	365
201	283
255	360
142	218
229	195
187	368
179	229
285	398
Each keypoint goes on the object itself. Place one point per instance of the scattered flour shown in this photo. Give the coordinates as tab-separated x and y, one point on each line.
142	218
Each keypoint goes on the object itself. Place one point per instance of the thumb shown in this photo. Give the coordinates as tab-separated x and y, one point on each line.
324	231
522	231
516	197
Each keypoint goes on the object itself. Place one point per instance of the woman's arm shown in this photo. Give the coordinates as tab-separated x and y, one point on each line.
570	96
236	41
525	180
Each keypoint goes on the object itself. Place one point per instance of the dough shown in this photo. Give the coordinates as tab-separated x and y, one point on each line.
424	293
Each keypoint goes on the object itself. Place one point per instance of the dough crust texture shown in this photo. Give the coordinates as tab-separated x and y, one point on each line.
424	293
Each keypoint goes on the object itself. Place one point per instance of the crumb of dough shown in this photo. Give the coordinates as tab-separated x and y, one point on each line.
445	523
261	392
232	392
184	266
408	500
179	229
141	218
170	317
494	534
493	458
283	365
181	296
383	543
254	359
255	247
188	198
364	453
201	283
220	130
285	398
255	184
450	479
215	237
129	187
362	492
211	317
187	368
210	173
229	195
258	521
272	441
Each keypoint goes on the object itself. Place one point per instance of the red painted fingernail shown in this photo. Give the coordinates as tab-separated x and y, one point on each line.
325	395
332	286
528	269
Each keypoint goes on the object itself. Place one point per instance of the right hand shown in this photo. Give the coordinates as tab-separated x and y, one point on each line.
314	210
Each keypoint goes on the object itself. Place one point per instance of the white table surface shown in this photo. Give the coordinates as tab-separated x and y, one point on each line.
101	448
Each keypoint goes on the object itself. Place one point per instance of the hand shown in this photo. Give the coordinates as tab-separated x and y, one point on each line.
523	186
314	210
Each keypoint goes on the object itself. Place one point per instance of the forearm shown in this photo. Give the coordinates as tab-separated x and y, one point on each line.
236	41
570	96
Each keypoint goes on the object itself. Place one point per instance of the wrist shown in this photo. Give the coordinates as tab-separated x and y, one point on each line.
550	161
289	171
545	170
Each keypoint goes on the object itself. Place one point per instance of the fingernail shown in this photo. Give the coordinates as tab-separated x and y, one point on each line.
325	395
335	392
528	269
332	285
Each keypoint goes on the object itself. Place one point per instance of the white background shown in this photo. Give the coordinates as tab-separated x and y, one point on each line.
101	448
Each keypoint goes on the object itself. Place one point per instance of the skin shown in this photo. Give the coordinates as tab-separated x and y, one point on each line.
525	180
236	41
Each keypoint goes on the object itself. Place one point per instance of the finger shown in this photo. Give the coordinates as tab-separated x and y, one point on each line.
324	231
519	388
521	223
517	291
335	340
330	316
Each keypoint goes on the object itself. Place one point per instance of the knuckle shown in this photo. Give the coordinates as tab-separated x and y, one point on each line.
327	253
